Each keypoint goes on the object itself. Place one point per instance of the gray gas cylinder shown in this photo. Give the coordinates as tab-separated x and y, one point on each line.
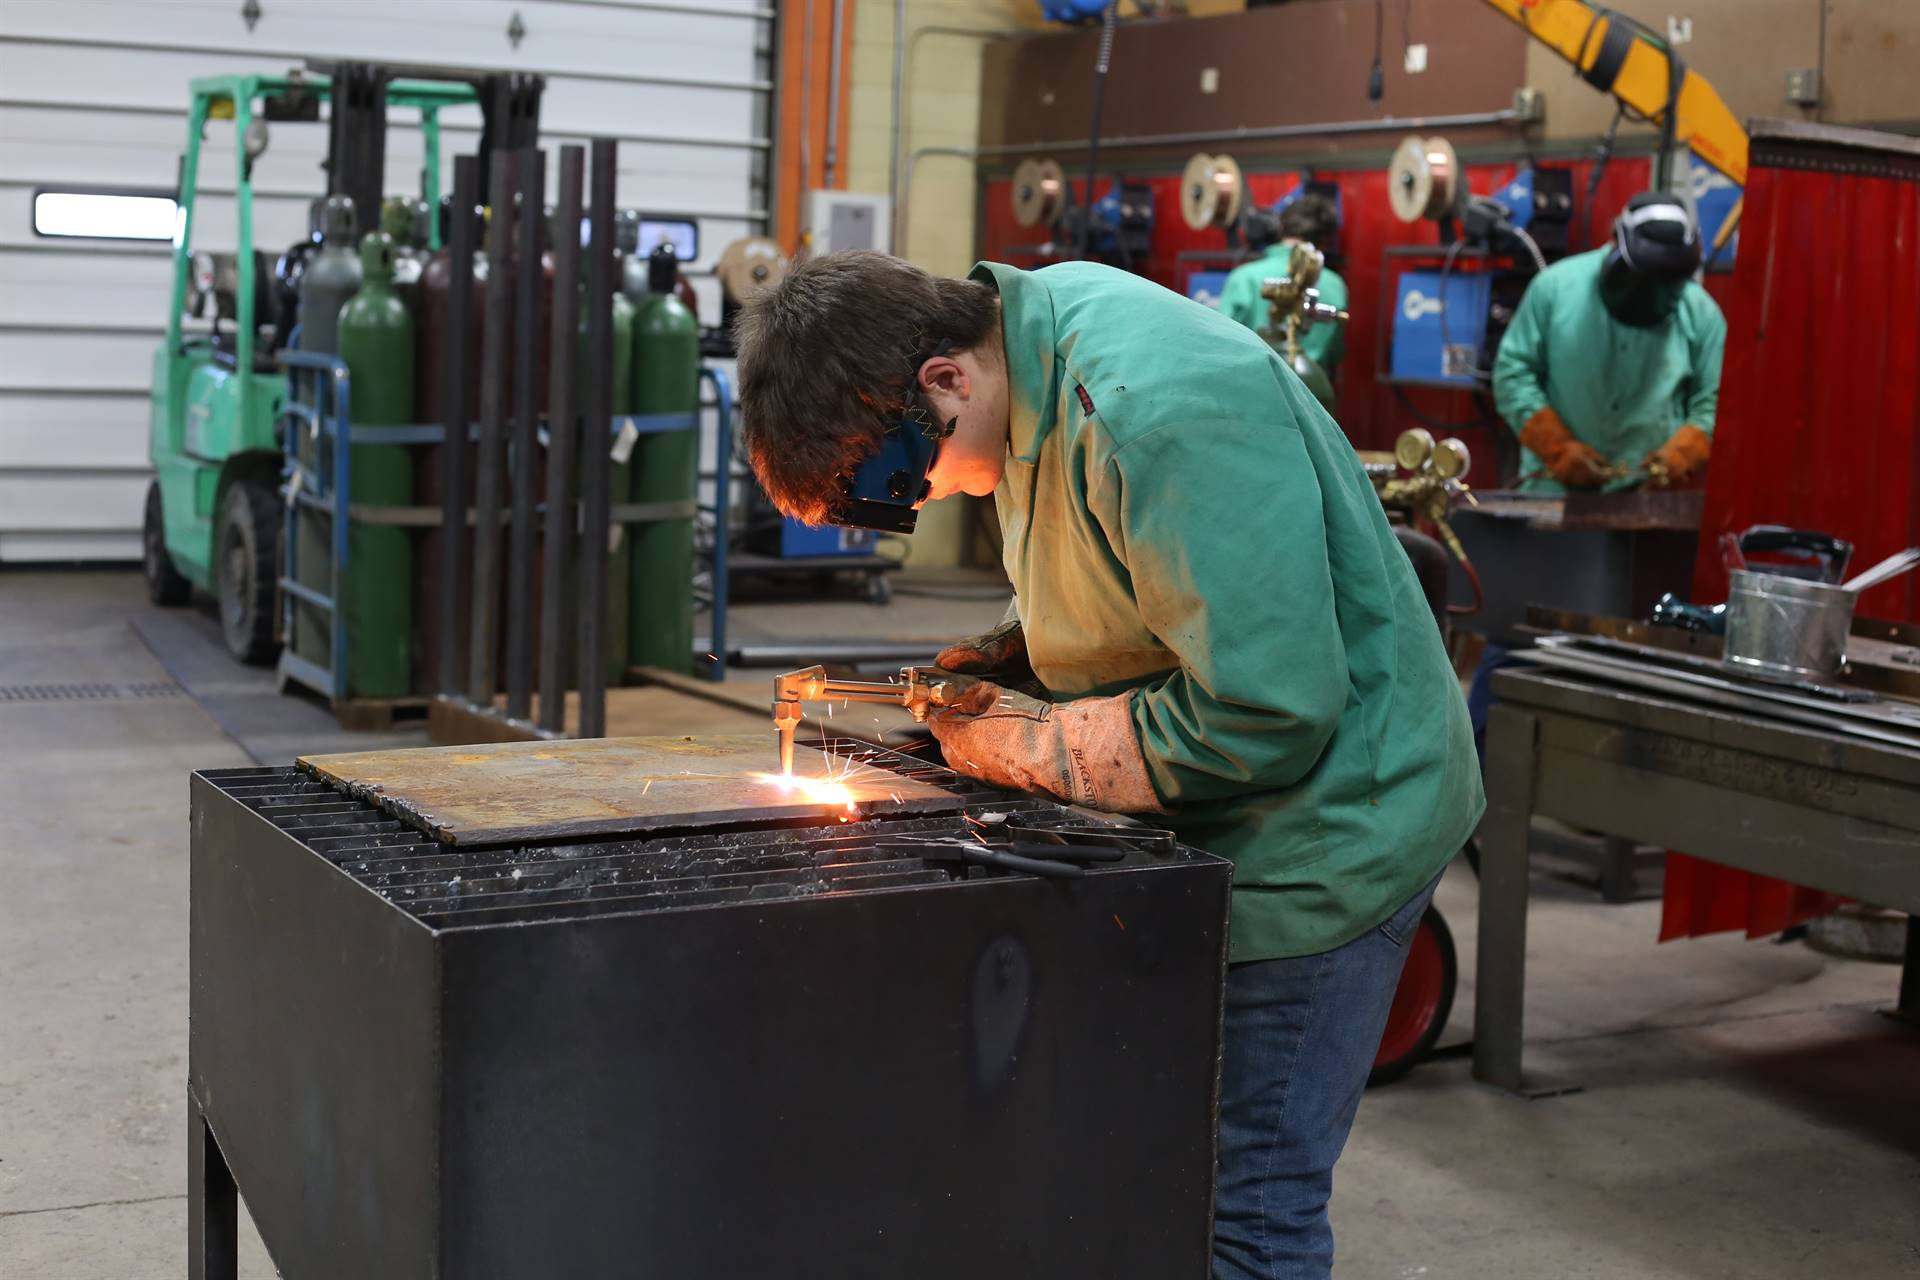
331	278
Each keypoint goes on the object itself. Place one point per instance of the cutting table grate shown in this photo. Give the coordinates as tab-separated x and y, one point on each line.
448	887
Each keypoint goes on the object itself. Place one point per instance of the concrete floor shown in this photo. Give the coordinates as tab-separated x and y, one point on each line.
1747	1112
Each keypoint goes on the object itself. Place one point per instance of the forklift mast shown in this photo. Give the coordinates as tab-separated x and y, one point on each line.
357	129
356	161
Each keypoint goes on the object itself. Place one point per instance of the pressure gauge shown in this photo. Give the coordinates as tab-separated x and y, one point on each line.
1413	448
1451	459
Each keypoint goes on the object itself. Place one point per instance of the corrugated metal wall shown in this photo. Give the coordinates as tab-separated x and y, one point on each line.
94	93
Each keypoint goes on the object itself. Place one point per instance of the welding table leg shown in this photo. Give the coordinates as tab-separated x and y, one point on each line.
1908	1010
213	1225
1617	856
1500	976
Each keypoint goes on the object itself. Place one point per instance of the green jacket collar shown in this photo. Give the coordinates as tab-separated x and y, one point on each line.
1033	372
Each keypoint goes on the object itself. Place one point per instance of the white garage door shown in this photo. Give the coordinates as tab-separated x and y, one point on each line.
93	94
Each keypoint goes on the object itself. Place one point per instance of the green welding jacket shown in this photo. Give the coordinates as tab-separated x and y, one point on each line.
1240	300
1620	388
1183	522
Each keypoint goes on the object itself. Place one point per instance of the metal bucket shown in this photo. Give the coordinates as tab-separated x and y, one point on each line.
1784	626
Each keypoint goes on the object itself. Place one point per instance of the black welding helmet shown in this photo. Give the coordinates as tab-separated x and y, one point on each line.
1261	227
1655	251
885	491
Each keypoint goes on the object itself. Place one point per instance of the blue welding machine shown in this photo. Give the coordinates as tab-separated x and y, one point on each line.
797	539
1440	327
1205	287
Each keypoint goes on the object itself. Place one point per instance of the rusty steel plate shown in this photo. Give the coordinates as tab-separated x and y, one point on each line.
1633	510
511	792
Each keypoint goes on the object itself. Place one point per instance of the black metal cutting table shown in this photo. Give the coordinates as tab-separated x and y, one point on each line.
1827	809
787	1047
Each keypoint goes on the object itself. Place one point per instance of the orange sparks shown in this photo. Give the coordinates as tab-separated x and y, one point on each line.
1122	923
815	790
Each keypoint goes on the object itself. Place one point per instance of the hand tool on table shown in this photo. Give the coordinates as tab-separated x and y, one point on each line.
918	689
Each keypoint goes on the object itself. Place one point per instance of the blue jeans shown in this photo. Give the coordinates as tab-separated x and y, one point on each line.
1480	694
1301	1036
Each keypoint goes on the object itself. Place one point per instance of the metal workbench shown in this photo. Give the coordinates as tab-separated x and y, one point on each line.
1830	810
1599	553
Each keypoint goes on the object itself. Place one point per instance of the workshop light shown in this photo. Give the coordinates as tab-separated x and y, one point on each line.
104	215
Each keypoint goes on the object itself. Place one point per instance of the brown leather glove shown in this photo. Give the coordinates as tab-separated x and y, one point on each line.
1572	463
1681	458
1083	752
1000	656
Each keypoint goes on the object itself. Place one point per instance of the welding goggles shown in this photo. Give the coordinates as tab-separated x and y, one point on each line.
885	491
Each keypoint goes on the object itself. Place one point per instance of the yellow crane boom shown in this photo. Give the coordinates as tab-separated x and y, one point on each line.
1616	58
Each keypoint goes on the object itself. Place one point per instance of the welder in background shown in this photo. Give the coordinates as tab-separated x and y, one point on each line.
1311	219
1610	370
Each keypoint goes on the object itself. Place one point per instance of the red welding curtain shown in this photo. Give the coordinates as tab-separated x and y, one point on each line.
1819	423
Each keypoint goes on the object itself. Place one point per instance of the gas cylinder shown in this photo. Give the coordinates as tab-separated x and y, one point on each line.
619	471
666	364
399	219
633	265
330	279
1310	372
376	341
430	352
331	275
431	348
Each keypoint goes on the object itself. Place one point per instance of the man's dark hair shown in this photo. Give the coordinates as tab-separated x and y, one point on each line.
828	359
1311	218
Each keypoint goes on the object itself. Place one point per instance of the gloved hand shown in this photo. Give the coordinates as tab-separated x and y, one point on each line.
1682	457
1000	656
1573	464
1083	752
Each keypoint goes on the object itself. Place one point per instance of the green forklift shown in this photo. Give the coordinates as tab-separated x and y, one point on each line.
214	517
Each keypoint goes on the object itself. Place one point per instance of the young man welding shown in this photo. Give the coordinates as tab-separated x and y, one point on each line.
1227	632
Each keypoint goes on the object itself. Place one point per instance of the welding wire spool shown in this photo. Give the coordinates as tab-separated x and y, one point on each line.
1423	181
1039	193
748	265
1211	191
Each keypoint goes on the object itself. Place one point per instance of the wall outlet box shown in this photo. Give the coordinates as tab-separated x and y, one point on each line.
836	220
1679	30
1210	80
1803	86
1416	59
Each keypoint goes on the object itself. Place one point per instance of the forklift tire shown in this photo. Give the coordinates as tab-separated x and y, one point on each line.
248	569
165	586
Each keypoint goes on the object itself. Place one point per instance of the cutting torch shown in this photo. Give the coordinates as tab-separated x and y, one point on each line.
918	689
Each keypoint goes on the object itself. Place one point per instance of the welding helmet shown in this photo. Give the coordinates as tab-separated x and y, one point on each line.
1655	251
885	491
1261	227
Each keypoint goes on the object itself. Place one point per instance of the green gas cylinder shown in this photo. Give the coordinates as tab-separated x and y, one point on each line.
619	475
376	341
1310	372
400	219
666	363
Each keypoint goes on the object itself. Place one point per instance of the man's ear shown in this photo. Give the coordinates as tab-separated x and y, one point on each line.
944	373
